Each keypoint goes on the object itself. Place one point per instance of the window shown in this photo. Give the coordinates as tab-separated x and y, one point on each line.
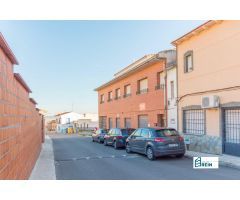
118	93
102	98
142	86
102	122
127	90
137	133
166	133
188	62
110	96
194	122
160	80
172	89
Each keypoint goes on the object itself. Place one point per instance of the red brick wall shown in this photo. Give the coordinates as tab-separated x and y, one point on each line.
20	126
129	107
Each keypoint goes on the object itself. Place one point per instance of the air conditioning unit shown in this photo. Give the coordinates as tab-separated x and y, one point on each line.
210	101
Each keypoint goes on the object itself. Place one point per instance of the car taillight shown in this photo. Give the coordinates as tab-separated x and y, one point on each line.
159	140
181	139
119	137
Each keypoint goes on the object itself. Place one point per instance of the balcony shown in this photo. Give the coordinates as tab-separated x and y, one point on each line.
143	91
101	102
127	95
160	87
109	100
117	98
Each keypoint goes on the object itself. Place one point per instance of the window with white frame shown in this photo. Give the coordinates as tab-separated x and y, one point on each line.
102	98
188	62
143	86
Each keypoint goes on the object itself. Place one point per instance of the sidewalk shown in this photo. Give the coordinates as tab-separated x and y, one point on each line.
224	160
45	168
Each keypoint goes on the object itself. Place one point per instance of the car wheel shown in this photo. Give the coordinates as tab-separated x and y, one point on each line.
150	153
180	155
128	148
105	142
93	140
115	145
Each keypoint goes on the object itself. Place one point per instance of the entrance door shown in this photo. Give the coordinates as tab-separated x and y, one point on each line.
127	122
142	121
117	122
231	138
161	121
103	122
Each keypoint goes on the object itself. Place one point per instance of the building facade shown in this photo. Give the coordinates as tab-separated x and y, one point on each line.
209	87
21	125
136	96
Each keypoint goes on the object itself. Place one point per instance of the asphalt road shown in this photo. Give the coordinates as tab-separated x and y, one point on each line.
78	158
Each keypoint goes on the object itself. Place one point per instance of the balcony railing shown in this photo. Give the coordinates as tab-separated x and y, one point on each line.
116	98
127	95
142	91
159	87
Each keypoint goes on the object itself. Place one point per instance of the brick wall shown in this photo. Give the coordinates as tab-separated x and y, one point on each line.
20	126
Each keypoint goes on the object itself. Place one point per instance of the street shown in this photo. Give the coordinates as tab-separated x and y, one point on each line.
78	158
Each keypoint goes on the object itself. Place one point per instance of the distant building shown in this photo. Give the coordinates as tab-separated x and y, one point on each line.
137	96
76	121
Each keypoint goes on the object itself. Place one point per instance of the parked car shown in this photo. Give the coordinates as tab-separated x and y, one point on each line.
117	137
156	142
98	135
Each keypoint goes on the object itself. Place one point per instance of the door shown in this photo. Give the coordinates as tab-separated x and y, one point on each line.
117	122
142	121
103	122
143	140
231	137
110	123
127	122
135	140
161	122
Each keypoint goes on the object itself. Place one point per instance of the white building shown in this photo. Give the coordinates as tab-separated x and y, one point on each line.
172	96
67	120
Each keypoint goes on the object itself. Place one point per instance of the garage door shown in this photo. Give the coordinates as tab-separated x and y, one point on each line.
142	121
231	139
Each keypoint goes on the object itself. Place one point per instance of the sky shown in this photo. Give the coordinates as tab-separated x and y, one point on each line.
64	61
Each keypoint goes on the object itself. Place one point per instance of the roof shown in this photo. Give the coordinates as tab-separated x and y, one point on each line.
22	82
196	31
59	114
144	62
5	47
33	101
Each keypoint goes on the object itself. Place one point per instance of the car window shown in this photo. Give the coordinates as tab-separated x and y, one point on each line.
145	133
137	133
166	133
117	132
110	132
127	131
103	131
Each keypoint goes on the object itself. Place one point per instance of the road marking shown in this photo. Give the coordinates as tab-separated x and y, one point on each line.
97	158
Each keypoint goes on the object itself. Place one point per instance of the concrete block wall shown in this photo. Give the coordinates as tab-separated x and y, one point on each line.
20	126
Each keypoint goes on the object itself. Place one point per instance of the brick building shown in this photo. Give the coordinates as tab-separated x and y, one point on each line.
136	96
21	132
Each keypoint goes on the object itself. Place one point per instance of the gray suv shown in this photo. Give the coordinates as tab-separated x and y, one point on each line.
156	142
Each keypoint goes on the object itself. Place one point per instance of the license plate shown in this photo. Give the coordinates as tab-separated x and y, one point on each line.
173	145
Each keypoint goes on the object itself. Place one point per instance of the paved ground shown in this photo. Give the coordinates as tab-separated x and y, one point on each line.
79	158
